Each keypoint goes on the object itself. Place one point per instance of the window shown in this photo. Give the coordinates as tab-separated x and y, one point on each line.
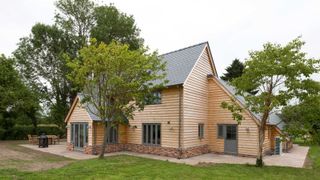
220	132
153	98
151	134
201	131
231	132
113	135
72	132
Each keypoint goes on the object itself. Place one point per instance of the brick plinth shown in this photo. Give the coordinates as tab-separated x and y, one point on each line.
70	147
157	150
194	151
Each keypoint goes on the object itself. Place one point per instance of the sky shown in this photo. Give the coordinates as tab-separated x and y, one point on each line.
232	27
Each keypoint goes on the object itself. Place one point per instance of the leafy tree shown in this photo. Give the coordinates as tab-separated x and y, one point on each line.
16	99
303	119
115	80
111	24
41	56
236	70
76	18
233	71
40	59
281	73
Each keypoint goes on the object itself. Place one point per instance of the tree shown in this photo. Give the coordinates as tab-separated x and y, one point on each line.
16	99
236	70
41	56
111	24
303	119
76	18
233	71
115	80
281	73
40	59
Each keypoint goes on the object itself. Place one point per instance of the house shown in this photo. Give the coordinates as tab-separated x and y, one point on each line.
185	121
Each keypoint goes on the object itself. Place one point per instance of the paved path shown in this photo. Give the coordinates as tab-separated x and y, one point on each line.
60	149
295	158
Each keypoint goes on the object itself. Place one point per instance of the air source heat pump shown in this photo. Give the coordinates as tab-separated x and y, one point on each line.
278	146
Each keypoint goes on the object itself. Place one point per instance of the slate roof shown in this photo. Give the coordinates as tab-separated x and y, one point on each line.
274	119
92	111
180	62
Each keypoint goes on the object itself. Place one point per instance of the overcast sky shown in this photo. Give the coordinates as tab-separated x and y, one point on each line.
232	27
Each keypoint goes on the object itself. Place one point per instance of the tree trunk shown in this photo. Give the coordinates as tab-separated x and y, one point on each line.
106	129
259	161
262	127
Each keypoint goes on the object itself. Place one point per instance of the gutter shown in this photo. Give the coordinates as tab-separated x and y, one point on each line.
180	121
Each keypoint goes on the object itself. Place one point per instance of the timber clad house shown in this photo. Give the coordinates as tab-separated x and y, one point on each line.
185	121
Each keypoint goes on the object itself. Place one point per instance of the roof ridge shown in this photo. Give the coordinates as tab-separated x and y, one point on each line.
206	42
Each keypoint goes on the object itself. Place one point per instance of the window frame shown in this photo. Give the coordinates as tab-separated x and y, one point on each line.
201	130
114	130
223	131
156	132
156	98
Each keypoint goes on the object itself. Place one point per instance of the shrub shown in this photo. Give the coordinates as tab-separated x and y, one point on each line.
20	132
2	133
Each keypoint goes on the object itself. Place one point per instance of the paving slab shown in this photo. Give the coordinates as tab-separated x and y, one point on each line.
294	158
61	150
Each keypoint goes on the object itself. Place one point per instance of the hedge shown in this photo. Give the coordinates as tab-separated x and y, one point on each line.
21	132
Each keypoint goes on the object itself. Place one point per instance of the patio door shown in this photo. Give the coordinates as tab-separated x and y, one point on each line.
231	140
79	135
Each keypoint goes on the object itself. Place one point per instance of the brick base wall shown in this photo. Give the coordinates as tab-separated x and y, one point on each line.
194	151
139	148
70	147
157	150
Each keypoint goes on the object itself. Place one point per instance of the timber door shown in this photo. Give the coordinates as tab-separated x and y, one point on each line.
231	140
79	135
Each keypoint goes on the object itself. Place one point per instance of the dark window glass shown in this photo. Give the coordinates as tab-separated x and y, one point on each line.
201	131
158	135
86	133
220	131
232	132
76	135
72	133
153	98
81	133
151	134
144	134
113	135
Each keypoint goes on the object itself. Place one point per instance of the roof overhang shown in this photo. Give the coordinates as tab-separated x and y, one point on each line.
74	103
257	121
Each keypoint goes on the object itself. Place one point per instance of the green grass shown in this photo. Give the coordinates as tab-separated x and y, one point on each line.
128	167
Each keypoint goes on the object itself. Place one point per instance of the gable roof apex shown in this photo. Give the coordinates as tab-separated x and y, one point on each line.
181	49
179	63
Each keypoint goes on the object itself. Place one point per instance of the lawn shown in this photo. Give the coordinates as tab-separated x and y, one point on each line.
128	167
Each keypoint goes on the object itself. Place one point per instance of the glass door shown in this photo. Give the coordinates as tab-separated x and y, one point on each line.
79	135
231	140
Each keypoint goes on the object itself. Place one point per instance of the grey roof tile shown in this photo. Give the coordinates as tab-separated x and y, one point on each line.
180	63
274	119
